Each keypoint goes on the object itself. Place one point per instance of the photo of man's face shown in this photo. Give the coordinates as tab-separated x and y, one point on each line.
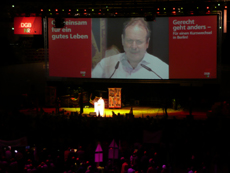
134	43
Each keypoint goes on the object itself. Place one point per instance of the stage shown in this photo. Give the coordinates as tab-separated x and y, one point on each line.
138	112
143	112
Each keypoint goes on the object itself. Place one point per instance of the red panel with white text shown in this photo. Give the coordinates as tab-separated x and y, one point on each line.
70	48
28	25
192	47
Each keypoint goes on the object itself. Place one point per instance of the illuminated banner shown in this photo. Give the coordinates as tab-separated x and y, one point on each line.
70	48
192	47
28	25
114	97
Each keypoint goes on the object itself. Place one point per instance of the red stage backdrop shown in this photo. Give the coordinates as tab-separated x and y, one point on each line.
70	48
28	25
192	47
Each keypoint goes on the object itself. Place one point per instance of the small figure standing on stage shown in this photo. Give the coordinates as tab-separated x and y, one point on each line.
99	107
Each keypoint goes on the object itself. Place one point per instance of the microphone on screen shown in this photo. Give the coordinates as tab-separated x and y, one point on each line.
116	67
149	69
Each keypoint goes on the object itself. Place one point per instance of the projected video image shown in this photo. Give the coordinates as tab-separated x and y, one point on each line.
127	53
132	48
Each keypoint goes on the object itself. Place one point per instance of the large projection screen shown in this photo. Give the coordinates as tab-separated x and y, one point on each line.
178	48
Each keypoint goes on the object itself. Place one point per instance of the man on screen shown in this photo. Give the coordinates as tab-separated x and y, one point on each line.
135	62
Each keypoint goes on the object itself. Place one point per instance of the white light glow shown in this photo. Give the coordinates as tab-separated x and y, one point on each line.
99	107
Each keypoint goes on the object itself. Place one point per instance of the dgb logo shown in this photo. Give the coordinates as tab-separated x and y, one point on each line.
26	25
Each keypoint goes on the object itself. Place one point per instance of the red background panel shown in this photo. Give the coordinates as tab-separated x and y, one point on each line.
190	58
69	57
28	25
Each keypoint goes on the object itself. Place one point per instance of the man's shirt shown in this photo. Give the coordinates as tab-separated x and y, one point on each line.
106	67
